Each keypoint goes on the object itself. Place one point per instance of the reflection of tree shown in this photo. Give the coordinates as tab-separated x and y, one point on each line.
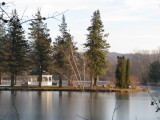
60	103
13	95
121	106
93	105
94	108
69	105
98	110
63	107
38	107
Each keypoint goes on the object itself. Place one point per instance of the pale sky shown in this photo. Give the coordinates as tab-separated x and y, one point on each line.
131	24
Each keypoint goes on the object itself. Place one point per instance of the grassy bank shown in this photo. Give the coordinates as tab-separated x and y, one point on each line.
71	88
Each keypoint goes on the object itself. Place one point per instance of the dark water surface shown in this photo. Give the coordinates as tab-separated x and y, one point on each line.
78	105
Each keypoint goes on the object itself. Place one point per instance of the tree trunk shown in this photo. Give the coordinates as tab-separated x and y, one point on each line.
69	81
92	81
60	80
0	78
95	81
40	79
12	80
15	80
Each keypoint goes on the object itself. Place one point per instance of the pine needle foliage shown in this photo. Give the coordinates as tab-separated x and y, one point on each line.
97	48
16	49
41	47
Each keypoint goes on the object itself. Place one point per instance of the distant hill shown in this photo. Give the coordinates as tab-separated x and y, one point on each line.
112	56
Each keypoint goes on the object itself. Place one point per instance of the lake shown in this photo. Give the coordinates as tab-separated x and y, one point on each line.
51	105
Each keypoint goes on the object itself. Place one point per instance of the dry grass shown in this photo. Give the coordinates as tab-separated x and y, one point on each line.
71	88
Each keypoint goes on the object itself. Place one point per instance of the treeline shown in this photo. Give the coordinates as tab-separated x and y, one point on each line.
144	66
39	55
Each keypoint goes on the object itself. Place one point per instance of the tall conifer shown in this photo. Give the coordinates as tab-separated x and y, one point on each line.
2	55
122	72
41	46
64	53
97	48
16	49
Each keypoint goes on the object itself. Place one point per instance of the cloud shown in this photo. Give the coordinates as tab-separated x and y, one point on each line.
132	10
124	10
123	19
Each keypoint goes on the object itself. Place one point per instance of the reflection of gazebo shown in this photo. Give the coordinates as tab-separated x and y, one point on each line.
46	80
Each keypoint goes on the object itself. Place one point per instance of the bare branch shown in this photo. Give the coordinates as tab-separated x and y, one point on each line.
3	11
45	18
71	47
154	101
23	13
71	65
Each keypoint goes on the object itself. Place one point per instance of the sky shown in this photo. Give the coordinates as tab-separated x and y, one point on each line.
132	24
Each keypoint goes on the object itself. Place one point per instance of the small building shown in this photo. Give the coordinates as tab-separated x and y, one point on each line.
28	80
46	80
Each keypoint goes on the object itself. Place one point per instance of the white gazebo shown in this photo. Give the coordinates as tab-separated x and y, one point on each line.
46	80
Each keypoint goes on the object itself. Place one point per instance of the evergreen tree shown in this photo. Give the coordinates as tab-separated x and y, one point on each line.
97	48
41	46
122	72
64	52
154	71
16	49
128	72
118	72
2	37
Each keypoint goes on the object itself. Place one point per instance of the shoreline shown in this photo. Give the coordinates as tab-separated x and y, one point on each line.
70	89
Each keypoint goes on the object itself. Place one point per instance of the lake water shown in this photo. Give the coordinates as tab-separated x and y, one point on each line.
50	105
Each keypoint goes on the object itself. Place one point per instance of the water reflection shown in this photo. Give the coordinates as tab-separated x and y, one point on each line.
122	105
96	106
36	111
74	105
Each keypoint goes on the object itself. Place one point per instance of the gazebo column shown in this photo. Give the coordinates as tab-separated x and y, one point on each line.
31	80
47	79
50	80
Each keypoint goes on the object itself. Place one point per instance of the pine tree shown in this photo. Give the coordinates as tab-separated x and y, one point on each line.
2	37
97	48
59	58
16	49
42	50
64	53
73	58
